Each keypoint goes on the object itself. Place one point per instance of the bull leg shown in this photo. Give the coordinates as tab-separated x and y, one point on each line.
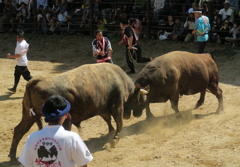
201	100
214	88
118	117
107	119
21	129
67	124
148	112
174	104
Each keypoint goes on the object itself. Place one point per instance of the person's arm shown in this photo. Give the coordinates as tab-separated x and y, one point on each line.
84	165
130	40
45	4
13	56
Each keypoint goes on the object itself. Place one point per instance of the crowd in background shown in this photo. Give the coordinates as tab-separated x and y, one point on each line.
170	19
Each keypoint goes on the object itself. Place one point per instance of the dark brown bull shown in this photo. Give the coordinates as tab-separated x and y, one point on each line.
175	74
97	89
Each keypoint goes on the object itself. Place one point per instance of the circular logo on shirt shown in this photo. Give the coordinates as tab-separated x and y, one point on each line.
47	150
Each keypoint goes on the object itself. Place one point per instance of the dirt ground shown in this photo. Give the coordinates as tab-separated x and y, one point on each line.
208	140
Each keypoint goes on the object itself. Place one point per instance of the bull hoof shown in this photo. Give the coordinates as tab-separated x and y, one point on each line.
111	144
178	115
198	105
14	161
219	111
111	132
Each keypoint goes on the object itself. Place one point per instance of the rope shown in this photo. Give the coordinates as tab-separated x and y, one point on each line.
132	54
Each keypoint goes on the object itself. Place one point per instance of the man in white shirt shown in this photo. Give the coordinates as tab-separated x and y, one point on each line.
227	12
21	60
53	145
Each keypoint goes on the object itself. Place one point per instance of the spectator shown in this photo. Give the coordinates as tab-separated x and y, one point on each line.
126	9
102	48
227	12
9	13
23	1
224	31
234	6
194	6
86	9
235	35
190	24
42	7
54	27
101	25
106	10
139	5
136	25
62	147
166	29
178	31
62	16
55	7
72	24
118	15
96	10
159	10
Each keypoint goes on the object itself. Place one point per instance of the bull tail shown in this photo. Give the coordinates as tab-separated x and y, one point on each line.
27	102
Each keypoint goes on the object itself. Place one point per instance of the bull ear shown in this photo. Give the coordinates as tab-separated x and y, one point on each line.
137	88
147	88
143	92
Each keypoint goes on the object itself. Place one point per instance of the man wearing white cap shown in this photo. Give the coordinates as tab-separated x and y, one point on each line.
227	12
202	28
53	145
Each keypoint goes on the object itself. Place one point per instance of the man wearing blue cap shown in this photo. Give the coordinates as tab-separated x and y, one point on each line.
53	145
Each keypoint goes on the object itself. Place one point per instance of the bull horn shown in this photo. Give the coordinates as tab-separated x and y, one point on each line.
143	92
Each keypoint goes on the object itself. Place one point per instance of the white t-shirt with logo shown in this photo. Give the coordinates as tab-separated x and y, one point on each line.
22	48
53	146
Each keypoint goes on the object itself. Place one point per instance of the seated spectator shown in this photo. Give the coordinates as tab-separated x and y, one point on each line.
118	15
126	9
86	9
190	25
106	10
234	6
42	7
168	28
72	24
55	8
227	12
139	5
178	31
54	27
96	8
159	9
9	15
101	25
41	24
191	10
224	31
235	35
62	16
136	25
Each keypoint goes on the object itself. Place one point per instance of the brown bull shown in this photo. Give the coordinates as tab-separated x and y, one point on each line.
175	74
97	89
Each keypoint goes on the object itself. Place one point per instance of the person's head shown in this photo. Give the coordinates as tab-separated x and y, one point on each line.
226	23
177	21
123	23
132	21
191	15
194	5
23	5
226	4
235	25
197	13
55	109
119	10
170	18
99	34
20	36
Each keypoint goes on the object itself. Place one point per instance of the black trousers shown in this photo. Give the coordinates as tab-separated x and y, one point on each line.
136	55
201	46
21	70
